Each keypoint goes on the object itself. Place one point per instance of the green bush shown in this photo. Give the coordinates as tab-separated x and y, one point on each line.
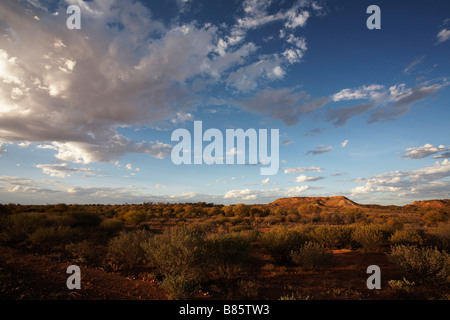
333	237
111	226
439	237
127	249
178	251
49	237
17	227
311	255
421	263
280	241
368	236
227	253
135	217
434	216
403	289
178	287
406	237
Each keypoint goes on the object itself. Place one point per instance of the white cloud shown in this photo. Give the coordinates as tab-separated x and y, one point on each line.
302	169
421	183
443	35
64	170
245	194
384	104
424	151
263	196
265	181
295	191
296	19
358	93
304	178
77	88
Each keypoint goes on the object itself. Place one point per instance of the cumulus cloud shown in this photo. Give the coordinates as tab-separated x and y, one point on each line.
424	151
358	93
427	181
445	155
256	14
382	104
75	89
245	194
402	101
263	196
64	170
295	191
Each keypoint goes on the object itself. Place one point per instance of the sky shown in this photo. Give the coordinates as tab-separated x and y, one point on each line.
87	115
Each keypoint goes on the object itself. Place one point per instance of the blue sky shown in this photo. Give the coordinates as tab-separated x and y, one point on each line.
86	116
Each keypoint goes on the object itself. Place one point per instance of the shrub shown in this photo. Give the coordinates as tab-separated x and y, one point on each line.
421	263
271	220
403	289
127	249
353	215
249	289
280	241
241	210
333	237
48	237
394	224
178	251
4	211
85	251
434	216
227	253
203	227
85	219
406	237
111	226
17	227
311	255
309	209
178	287
134	217
439	237
368	236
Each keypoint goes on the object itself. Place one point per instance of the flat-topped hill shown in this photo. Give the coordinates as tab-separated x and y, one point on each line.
343	202
330	202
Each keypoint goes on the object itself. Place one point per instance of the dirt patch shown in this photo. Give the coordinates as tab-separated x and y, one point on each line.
31	276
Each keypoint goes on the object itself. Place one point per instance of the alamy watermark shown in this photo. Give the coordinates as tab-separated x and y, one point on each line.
219	152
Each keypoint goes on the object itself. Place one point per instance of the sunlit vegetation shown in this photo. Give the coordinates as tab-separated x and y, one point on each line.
228	250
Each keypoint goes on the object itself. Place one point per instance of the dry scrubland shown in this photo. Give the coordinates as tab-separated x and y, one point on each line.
293	248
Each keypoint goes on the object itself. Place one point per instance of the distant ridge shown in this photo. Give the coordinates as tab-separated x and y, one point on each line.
441	204
343	202
330	202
